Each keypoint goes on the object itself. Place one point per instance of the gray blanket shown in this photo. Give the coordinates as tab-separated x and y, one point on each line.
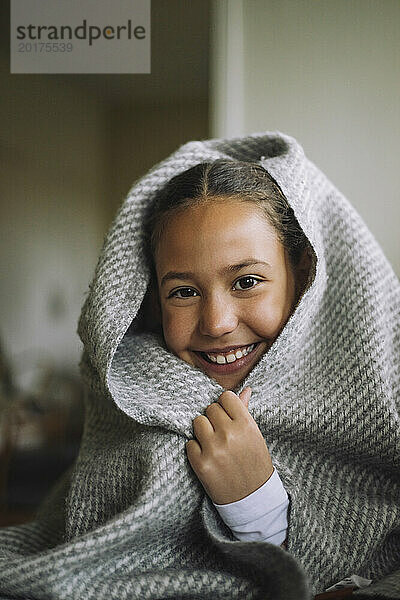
131	520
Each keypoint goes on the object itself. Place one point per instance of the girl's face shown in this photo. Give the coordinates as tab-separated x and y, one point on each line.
226	287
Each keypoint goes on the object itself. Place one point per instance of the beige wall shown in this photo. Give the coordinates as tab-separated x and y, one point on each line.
52	215
328	73
143	134
68	157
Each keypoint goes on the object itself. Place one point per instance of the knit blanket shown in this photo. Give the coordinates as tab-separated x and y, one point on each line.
130	518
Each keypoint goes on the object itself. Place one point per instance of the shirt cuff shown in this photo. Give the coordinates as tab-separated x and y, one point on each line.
260	516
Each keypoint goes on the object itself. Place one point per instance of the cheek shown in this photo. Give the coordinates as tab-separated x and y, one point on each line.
269	318
177	328
272	313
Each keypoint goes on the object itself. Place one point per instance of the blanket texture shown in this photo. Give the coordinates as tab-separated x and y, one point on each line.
130	518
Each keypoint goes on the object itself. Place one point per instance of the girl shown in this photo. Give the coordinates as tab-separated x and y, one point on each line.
234	268
230	262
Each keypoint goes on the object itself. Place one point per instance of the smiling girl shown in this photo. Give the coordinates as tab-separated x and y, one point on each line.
231	262
241	360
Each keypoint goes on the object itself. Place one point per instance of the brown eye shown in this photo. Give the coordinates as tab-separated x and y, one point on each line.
183	293
246	283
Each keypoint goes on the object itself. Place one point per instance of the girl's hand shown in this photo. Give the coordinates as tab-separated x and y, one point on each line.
229	456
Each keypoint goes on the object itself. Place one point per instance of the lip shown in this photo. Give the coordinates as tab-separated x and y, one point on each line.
227	368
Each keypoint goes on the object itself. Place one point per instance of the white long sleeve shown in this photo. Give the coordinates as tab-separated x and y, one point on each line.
260	516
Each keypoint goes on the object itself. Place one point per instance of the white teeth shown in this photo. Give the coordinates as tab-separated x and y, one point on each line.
230	358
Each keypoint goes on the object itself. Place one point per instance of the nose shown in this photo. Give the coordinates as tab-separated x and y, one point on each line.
218	316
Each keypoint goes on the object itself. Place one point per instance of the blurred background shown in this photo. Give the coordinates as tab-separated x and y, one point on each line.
324	71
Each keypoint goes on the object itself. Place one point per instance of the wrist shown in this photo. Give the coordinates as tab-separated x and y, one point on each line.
261	516
229	496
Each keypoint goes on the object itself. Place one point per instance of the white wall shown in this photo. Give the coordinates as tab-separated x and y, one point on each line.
328	73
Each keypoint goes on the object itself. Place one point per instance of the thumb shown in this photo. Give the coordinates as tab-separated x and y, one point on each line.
245	396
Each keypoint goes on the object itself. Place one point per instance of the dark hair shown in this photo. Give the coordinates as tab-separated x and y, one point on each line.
246	181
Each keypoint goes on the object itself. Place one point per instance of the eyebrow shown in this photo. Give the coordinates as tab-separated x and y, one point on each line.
185	275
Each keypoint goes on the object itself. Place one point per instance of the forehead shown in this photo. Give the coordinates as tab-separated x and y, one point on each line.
214	232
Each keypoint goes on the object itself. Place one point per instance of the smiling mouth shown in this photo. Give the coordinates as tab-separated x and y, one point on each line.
228	357
233	361
228	362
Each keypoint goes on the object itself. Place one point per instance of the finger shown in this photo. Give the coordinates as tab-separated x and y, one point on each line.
217	416
193	451
232	404
245	396
202	429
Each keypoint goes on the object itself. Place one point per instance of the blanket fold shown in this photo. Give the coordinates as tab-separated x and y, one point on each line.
131	520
